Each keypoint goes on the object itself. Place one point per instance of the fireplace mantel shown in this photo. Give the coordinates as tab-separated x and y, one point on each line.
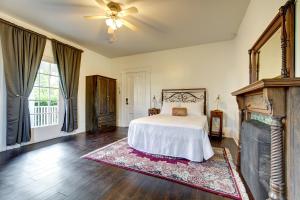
268	83
267	97
276	99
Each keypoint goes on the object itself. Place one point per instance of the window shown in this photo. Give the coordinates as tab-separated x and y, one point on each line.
44	98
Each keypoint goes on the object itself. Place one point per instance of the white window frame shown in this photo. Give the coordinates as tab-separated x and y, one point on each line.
51	116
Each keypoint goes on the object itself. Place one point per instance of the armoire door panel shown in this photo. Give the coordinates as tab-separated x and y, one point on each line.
103	95
112	96
90	103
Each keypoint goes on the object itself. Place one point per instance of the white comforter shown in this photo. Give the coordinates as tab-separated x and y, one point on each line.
183	137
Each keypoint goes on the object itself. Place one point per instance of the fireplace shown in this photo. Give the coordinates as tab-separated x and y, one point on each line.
255	157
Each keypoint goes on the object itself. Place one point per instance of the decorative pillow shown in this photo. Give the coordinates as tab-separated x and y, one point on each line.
194	109
179	111
166	108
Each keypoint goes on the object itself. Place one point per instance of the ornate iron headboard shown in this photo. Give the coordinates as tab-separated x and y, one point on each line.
185	95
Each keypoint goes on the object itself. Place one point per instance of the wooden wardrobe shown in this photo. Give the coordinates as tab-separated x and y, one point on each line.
100	103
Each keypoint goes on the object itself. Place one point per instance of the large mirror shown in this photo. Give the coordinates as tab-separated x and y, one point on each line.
272	55
269	58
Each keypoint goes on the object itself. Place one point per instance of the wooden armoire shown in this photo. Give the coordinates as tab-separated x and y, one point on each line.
100	103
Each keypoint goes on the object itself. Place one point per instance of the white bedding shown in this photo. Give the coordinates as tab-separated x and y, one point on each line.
183	137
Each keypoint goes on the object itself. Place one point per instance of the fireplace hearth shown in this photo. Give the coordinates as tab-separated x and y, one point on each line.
255	157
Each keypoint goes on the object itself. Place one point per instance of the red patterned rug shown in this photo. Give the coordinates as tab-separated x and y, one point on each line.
217	175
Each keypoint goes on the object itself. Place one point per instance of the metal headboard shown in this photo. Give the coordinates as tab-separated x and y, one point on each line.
185	95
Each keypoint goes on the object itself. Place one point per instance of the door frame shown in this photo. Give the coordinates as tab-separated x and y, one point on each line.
124	121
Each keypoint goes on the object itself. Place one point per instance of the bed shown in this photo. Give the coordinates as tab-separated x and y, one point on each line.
175	136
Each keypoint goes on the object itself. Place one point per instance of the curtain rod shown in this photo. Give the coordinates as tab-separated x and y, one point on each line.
30	31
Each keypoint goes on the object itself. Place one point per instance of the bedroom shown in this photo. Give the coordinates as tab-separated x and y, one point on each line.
206	48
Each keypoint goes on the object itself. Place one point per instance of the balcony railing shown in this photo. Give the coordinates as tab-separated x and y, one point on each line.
43	116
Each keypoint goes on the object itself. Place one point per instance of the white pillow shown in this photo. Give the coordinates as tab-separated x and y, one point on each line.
166	108
194	109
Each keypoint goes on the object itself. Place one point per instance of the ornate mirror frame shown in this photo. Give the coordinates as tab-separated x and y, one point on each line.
285	20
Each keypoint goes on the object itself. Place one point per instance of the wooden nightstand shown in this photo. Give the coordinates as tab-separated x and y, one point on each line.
153	111
216	123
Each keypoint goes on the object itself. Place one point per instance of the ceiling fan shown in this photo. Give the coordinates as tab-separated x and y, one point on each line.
114	16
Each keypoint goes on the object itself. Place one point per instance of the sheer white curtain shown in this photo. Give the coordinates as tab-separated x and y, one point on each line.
49	132
2	105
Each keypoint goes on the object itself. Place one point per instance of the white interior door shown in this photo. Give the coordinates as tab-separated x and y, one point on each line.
136	102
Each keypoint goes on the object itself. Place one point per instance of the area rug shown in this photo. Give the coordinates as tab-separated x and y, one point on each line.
217	175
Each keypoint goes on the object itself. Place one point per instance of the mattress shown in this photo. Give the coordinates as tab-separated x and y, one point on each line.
175	136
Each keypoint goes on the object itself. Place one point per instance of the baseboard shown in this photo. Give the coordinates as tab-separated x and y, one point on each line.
17	146
229	133
236	141
2	149
122	124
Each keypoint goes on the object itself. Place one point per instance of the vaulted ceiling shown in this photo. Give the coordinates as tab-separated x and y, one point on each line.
162	24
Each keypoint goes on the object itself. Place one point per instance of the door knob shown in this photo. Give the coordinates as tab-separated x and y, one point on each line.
126	101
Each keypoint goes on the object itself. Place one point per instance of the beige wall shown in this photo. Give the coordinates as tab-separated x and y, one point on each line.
92	63
207	66
220	67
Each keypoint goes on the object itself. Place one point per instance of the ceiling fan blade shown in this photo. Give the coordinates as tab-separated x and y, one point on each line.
129	25
106	1
103	1
96	17
131	1
131	10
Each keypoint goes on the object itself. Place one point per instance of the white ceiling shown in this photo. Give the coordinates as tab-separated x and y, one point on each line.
163	24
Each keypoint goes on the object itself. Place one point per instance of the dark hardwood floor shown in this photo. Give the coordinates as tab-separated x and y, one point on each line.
54	170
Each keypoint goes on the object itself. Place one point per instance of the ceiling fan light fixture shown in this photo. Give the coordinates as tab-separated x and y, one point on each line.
114	17
119	23
114	24
109	22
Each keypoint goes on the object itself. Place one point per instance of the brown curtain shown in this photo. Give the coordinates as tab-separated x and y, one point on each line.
68	61
22	55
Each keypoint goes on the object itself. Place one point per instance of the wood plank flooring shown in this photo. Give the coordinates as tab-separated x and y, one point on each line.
53	170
